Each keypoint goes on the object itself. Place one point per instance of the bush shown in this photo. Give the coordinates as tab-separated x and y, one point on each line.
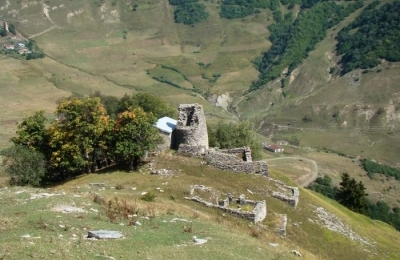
149	197
231	135
25	166
11	28
34	55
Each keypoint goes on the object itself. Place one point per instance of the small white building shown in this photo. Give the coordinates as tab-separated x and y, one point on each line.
166	126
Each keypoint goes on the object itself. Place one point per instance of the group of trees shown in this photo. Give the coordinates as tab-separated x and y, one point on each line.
372	36
11	29
232	9
372	167
293	40
352	195
84	137
231	135
189	12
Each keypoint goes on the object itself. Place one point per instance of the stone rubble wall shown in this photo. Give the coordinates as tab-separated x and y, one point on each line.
257	215
282	227
191	150
292	199
231	162
166	142
193	188
260	211
243	152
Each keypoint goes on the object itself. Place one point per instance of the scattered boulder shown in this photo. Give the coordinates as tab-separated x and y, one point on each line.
199	241
69	209
104	234
296	253
100	184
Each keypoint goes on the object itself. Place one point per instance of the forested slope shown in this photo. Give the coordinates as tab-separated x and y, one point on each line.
374	35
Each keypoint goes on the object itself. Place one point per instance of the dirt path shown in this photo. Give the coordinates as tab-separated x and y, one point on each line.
314	168
46	10
45	31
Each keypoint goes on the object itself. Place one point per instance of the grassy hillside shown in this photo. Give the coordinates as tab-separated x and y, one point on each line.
355	113
160	237
118	48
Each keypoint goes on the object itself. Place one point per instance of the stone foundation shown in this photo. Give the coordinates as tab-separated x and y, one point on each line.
257	215
292	199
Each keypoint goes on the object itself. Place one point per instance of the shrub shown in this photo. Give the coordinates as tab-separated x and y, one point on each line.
25	166
149	197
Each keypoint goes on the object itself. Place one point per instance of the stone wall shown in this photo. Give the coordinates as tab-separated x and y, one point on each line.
166	141
257	215
281	229
244	153
192	150
230	161
292	199
191	129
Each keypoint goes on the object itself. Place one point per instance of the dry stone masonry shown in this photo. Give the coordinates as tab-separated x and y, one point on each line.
257	215
236	160
292	193
190	136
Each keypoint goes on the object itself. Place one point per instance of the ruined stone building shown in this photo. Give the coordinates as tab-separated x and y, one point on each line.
190	136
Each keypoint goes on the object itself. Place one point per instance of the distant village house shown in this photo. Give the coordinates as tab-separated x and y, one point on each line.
274	148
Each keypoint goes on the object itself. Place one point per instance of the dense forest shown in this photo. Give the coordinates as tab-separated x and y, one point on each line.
352	195
372	36
292	41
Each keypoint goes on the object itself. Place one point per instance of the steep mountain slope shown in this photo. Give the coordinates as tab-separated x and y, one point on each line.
355	113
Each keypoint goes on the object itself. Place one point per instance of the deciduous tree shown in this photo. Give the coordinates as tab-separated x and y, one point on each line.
134	134
25	166
32	133
77	133
149	103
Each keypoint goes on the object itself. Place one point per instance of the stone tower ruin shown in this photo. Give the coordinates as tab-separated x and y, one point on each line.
190	136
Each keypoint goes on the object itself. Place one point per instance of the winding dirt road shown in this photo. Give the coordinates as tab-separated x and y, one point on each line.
314	168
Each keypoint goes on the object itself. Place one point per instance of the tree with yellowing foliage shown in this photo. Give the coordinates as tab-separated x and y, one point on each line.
76	134
134	134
